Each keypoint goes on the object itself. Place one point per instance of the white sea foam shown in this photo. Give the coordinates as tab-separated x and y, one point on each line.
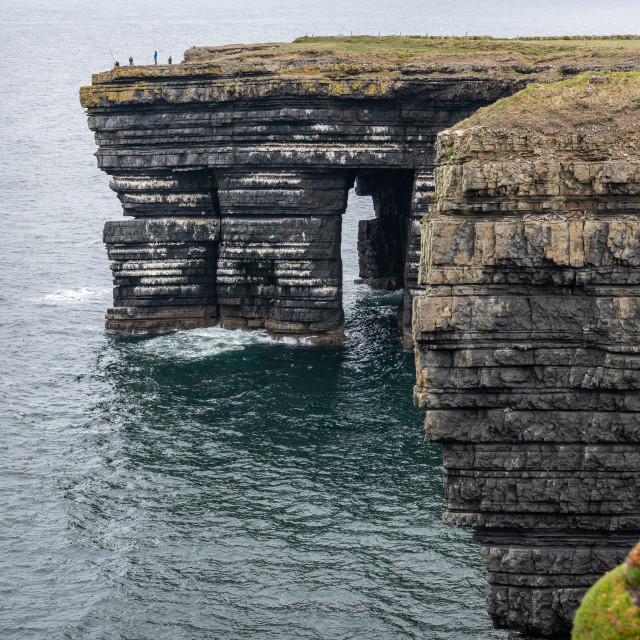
199	344
72	296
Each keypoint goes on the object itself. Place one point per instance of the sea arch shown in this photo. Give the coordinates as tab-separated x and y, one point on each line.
234	168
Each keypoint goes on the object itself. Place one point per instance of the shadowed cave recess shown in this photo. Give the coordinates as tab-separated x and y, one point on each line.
235	182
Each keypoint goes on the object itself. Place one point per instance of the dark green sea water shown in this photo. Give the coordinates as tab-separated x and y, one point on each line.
207	484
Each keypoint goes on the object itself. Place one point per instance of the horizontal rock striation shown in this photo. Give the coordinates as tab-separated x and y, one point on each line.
254	148
234	168
527	355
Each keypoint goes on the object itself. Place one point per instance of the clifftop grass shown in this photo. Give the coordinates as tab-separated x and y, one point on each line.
539	59
600	108
406	48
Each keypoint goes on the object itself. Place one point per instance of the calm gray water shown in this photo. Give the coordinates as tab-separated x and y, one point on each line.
208	484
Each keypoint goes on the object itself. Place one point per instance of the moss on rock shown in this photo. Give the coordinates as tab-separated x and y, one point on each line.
609	610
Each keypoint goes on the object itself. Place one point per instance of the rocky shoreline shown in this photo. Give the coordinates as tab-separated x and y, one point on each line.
514	235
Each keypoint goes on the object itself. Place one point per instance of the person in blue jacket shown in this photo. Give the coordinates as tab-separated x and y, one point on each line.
155	57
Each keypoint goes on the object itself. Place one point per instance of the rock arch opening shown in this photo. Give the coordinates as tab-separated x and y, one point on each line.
385	251
383	240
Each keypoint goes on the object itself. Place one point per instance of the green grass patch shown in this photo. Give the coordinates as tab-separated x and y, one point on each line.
589	98
401	51
607	611
413	46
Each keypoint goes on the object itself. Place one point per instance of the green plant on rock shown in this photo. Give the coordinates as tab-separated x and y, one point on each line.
609	610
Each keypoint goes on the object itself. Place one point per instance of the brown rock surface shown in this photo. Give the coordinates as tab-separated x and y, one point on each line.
527	340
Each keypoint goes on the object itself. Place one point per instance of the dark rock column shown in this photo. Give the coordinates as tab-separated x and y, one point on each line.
421	199
381	254
527	363
389	245
382	241
164	260
279	263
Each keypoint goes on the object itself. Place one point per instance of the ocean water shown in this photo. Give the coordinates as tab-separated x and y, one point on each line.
207	483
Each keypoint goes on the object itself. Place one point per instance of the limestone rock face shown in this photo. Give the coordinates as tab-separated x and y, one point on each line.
521	282
262	143
527	360
237	180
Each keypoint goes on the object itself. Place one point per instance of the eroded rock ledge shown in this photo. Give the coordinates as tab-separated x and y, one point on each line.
235	166
527	340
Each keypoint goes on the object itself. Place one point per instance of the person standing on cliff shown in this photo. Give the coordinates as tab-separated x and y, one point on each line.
170	61
155	57
130	61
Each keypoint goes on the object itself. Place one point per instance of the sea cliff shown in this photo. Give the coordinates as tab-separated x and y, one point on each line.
527	339
518	260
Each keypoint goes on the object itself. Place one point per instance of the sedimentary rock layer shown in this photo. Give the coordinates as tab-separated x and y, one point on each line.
264	158
262	142
527	359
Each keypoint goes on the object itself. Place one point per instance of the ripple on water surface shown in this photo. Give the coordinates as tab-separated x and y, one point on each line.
212	483
241	485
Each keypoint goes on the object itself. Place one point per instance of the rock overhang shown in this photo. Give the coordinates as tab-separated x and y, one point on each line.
357	67
235	166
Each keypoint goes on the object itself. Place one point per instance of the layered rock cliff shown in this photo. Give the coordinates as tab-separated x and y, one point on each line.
527	340
234	168
235	165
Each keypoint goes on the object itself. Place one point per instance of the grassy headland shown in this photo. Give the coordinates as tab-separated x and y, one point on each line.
553	58
378	65
603	105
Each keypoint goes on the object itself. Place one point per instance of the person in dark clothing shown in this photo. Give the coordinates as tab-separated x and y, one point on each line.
130	60
170	60
155	57
117	64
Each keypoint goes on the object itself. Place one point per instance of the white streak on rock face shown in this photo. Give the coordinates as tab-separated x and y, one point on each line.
142	183
324	128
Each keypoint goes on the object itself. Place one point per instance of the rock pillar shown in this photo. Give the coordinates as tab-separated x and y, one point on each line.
527	362
389	245
164	260
382	242
279	263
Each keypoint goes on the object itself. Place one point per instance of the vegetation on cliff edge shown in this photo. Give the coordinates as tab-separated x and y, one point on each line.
609	610
348	55
600	108
392	57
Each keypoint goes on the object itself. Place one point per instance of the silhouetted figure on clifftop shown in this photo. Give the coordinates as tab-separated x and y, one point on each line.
155	57
130	61
170	60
